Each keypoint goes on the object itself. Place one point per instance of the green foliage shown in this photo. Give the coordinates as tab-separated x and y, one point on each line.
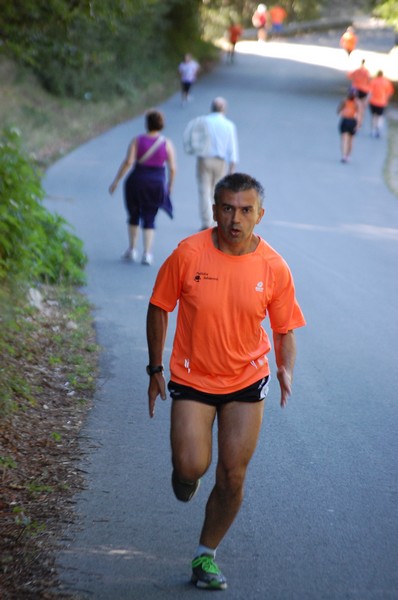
28	341
103	52
183	27
303	10
28	526
21	518
7	462
36	488
15	333
388	10
95	49
34	243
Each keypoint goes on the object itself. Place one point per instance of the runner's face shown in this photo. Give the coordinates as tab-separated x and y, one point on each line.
236	214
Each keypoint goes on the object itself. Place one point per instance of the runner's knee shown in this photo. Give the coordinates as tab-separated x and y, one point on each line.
230	479
190	467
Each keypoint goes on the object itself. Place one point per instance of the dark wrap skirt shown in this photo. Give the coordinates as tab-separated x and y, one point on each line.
145	192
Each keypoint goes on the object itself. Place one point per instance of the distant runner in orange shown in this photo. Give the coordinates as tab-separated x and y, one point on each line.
360	83
349	40
278	16
348	110
381	90
234	31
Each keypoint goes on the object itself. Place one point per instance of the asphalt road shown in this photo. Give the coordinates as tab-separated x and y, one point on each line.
319	520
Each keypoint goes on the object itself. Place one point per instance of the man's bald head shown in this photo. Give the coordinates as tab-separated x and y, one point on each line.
219	104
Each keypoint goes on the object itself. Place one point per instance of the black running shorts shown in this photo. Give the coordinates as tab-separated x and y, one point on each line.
253	393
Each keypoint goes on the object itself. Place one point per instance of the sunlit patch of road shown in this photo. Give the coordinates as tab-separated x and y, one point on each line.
331	57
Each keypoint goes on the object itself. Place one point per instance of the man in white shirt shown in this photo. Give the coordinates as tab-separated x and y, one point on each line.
220	160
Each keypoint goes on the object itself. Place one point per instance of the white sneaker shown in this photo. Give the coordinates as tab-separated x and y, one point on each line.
130	255
147	259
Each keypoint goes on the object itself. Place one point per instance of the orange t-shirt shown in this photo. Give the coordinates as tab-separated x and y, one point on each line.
381	89
235	31
219	344
348	41
278	15
360	79
349	109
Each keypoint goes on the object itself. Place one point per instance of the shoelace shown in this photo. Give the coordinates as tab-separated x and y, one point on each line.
207	564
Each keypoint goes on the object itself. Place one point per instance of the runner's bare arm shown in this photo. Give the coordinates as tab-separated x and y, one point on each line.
156	327
171	163
285	355
125	166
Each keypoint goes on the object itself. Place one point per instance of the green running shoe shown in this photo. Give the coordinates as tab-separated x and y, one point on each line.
206	574
184	490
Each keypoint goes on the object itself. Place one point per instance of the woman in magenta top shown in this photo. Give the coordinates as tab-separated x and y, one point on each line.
148	186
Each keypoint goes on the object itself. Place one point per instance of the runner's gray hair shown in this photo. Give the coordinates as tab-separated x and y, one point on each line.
239	182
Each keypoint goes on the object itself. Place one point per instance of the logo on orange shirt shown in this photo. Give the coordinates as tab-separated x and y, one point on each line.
260	287
201	274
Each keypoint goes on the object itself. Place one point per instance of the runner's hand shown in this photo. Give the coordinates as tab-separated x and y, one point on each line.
157	387
285	382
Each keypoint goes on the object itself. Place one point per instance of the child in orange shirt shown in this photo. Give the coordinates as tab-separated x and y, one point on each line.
348	110
234	31
278	15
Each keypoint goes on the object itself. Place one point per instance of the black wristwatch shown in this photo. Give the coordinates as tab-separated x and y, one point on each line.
152	370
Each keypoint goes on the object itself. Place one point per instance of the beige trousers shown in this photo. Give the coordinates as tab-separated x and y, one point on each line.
208	172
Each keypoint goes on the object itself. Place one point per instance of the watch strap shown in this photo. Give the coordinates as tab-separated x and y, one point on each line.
152	370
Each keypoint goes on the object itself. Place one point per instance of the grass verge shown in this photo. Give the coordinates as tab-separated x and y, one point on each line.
48	358
53	126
